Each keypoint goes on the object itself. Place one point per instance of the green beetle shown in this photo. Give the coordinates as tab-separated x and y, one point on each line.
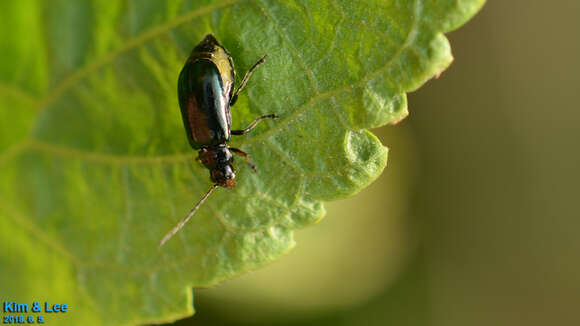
206	92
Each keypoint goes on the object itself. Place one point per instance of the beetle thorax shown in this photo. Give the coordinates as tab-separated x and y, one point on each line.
218	159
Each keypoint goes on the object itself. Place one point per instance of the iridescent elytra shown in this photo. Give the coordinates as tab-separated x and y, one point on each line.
205	89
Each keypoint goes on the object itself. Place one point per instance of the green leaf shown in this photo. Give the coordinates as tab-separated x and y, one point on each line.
94	163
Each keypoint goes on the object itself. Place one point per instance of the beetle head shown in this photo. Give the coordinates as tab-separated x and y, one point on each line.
224	176
219	162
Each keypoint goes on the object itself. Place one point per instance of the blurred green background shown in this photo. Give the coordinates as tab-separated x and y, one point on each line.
474	222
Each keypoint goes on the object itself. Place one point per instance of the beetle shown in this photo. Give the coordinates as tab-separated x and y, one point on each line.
205	89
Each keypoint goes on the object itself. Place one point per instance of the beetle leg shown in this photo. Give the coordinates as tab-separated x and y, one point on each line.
245	156
253	124
245	80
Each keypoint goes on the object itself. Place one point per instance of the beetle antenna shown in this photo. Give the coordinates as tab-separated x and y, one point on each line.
182	223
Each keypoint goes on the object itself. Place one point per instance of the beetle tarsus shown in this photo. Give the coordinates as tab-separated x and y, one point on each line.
245	156
253	124
246	78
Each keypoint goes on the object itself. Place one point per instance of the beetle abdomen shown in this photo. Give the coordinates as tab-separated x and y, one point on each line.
204	104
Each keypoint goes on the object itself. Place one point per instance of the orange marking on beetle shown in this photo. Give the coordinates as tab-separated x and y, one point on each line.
197	124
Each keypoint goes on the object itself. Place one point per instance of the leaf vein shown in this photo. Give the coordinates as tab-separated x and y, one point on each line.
328	94
85	71
295	54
